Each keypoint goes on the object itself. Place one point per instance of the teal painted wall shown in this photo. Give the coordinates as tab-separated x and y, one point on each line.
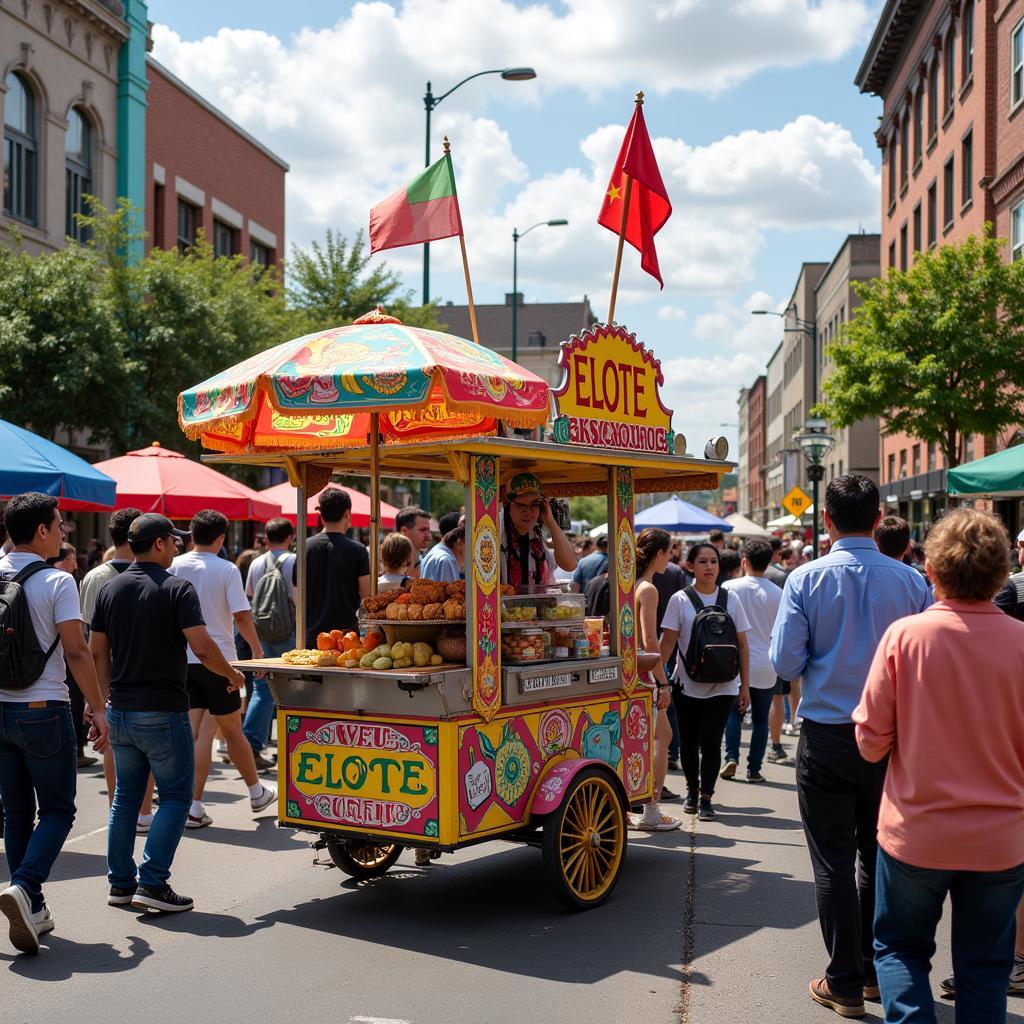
131	117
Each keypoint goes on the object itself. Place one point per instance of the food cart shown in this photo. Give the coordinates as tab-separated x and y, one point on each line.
551	750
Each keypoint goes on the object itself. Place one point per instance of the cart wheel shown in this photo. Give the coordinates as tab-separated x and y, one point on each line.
363	860
585	841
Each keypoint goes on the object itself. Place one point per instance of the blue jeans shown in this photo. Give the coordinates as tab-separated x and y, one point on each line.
908	905
148	741
760	705
260	713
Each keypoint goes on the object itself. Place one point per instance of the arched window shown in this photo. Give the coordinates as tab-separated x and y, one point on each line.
78	172
20	150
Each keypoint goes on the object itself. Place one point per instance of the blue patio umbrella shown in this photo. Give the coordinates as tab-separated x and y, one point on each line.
680	516
31	463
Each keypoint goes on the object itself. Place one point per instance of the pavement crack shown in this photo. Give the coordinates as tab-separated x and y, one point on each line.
688	923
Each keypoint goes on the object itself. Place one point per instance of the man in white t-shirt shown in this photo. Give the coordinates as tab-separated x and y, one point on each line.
211	703
760	599
38	751
702	709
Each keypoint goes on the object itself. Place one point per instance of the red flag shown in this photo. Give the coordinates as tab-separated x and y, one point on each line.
649	206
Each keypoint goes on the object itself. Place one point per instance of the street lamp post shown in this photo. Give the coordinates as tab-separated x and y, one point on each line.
429	102
815	444
516	235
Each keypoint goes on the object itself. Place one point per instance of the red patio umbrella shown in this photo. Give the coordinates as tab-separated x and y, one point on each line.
156	479
284	495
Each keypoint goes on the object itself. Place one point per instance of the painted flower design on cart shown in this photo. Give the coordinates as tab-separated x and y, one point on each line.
511	764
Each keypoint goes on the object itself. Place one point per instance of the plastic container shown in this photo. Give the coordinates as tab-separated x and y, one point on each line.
519	609
542	604
566	635
561	652
595	633
525	646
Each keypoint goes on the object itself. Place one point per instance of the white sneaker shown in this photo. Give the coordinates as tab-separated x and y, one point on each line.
1017	975
16	906
43	921
265	799
788	728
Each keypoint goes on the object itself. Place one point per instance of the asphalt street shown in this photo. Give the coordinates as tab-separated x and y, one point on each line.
712	924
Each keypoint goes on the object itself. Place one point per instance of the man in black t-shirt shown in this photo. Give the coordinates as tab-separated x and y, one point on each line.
337	569
142	622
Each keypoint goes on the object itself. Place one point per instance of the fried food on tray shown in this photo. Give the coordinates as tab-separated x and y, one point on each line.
455	590
454	609
378	602
508	589
433	611
414	611
427	591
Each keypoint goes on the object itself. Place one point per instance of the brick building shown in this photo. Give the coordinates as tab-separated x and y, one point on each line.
743	452
205	173
756	491
776	445
948	135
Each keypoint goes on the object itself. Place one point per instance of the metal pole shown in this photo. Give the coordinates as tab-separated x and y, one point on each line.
515	298
300	558
817	514
428	103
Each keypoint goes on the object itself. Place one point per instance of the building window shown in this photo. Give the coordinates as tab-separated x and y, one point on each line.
933	98
903	246
916	459
1017	65
892	169
967	168
918	126
158	215
967	35
917	229
903	462
904	148
931	456
892	254
950	58
223	239
892	468
20	150
948	198
1017	232
969	448
933	214
188	220
77	173
259	254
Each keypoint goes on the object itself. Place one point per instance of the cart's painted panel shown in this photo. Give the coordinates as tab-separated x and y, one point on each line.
483	620
377	776
501	762
623	623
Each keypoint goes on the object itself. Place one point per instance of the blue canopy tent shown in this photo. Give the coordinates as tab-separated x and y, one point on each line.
31	463
680	516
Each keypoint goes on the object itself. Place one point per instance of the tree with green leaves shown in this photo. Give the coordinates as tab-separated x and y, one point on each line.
333	284
936	351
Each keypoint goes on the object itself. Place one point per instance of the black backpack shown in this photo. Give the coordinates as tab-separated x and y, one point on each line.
713	654
22	660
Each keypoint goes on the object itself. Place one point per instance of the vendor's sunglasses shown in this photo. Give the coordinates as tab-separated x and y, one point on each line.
535	505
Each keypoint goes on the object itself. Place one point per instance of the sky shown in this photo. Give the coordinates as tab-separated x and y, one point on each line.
765	145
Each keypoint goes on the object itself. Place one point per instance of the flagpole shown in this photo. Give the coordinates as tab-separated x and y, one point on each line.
622	232
465	267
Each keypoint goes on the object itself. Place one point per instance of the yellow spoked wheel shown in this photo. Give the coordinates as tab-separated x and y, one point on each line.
585	841
363	860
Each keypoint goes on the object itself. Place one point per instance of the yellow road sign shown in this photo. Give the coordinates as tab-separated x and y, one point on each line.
796	503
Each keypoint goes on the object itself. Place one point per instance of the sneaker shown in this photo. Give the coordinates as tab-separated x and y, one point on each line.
43	921
265	799
198	822
16	906
729	771
755	777
658	823
788	729
948	985
264	764
165	899
142	824
845	1006
85	761
422	858
1017	975
705	811
690	804
674	765
777	755
667	794
119	897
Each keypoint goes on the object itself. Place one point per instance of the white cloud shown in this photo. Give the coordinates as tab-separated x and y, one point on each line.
672	313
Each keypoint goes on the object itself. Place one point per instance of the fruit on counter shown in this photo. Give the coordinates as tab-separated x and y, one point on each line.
421	654
325	642
436	659
371	640
380	664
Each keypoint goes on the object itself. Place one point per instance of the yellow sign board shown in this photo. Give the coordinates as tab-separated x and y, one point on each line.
796	503
610	395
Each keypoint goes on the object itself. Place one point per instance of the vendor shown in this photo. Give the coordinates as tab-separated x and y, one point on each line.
525	558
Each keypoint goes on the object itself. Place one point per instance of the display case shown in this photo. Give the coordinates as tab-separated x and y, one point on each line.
541	604
525	646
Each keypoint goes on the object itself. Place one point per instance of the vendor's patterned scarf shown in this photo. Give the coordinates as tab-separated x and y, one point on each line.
520	550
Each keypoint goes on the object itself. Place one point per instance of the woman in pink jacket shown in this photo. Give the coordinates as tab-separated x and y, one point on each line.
945	699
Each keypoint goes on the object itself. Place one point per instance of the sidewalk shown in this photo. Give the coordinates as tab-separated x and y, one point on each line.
751	925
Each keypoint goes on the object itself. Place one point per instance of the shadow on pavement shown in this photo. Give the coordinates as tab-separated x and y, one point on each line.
496	912
266	837
72	864
197	922
62	958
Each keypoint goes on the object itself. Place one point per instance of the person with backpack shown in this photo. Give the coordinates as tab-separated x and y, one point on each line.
707	629
272	602
40	638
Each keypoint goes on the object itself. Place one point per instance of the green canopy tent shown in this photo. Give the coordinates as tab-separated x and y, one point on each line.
999	475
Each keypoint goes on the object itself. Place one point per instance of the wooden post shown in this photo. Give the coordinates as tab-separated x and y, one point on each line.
374	501
465	268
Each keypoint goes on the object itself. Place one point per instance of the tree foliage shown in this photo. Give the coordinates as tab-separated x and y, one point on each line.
333	284
935	350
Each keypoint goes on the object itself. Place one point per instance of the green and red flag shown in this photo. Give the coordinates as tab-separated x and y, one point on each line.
425	210
649	205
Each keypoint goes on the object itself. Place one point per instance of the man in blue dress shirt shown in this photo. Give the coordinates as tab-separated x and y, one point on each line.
833	614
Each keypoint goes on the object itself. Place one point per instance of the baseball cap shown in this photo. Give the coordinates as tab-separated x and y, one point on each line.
521	483
151	526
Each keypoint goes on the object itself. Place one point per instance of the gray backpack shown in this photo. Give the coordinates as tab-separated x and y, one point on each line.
272	604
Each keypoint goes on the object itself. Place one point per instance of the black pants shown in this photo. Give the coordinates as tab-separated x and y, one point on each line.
77	712
839	796
701	728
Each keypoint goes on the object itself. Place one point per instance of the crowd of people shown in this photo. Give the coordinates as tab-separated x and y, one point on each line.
898	665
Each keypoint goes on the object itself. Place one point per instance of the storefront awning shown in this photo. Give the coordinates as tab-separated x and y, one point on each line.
999	476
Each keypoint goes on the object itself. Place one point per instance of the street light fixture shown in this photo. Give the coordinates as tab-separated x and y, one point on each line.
516	235
815	444
429	102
